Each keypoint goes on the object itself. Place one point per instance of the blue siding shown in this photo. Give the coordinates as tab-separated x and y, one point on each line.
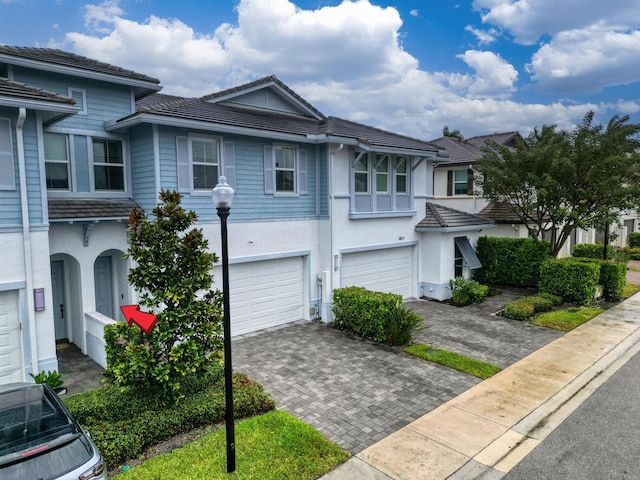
81	163
250	201
143	186
32	165
323	180
105	101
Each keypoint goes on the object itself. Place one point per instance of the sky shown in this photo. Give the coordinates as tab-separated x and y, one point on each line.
409	66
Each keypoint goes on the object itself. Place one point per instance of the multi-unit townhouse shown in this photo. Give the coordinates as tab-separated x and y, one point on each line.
320	202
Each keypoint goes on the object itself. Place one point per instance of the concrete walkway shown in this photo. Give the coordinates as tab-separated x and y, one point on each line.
487	430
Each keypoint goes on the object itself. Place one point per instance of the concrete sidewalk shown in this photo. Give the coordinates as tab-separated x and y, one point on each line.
485	431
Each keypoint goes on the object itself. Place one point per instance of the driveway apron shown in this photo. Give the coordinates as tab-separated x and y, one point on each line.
357	392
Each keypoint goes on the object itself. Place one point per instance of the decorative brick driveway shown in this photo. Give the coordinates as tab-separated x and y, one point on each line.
356	392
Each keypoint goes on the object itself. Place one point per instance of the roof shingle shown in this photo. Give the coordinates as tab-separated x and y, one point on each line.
69	209
439	217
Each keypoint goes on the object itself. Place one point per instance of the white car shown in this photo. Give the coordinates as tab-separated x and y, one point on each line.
40	440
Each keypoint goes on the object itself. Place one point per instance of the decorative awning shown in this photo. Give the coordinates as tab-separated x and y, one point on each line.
469	255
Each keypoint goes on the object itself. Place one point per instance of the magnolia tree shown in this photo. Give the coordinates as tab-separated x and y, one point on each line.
172	271
556	180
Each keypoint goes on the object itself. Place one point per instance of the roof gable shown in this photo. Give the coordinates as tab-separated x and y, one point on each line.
268	94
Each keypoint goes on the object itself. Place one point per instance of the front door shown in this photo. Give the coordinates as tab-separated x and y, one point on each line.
57	290
104	286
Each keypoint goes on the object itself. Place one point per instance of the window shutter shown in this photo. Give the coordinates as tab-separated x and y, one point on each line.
302	172
7	176
268	170
230	164
182	156
469	182
449	183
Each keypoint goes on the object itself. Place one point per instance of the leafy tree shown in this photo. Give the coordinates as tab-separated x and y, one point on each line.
173	273
556	181
452	133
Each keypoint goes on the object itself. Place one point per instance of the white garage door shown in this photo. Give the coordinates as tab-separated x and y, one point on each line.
388	270
265	294
10	351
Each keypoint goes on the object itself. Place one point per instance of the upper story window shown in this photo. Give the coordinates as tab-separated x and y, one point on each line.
460	182
205	160
80	96
381	185
285	169
56	161
382	173
361	172
108	164
7	175
402	185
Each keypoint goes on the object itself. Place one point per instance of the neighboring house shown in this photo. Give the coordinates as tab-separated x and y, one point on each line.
320	202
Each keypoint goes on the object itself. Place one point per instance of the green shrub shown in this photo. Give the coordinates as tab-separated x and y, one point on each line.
465	291
592	250
612	277
402	323
634	239
573	280
510	261
520	309
361	311
122	424
51	378
634	253
554	299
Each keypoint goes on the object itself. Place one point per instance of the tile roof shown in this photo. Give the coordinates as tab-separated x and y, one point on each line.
9	88
258	83
500	212
69	209
59	57
439	217
469	150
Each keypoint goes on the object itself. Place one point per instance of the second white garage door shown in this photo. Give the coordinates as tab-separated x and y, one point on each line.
388	270
264	294
10	351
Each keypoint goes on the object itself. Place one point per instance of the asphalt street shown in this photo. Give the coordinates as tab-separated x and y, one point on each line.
599	441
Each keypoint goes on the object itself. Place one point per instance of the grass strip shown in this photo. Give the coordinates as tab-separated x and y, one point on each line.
566	320
453	360
630	289
272	446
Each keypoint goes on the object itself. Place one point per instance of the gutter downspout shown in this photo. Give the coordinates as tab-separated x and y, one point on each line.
26	241
334	255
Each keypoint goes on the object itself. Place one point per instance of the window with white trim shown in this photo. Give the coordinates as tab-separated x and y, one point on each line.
7	174
285	168
80	96
402	185
382	173
56	161
361	173
460	179
205	161
108	165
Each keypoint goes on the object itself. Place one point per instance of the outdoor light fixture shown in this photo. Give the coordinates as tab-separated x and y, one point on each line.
222	196
38	299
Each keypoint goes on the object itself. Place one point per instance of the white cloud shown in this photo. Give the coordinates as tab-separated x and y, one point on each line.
587	60
494	76
414	12
483	36
353	66
529	20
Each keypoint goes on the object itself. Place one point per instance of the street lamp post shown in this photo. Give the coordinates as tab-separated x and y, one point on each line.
222	196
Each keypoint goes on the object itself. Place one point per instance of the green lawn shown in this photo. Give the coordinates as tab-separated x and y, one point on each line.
453	360
272	446
631	289
565	320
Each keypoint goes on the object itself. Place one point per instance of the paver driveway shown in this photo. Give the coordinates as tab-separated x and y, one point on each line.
357	392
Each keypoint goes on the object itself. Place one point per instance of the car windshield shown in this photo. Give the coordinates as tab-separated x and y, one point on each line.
29	419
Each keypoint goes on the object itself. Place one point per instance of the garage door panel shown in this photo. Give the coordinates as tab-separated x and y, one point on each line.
385	270
10	351
264	293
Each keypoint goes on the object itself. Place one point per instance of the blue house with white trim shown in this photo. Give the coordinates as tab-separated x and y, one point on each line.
321	202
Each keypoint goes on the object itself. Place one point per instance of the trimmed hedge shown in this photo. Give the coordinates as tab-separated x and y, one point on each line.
124	423
634	253
377	316
510	261
634	239
526	307
592	250
613	277
573	280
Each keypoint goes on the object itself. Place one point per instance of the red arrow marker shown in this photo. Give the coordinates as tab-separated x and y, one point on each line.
145	321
